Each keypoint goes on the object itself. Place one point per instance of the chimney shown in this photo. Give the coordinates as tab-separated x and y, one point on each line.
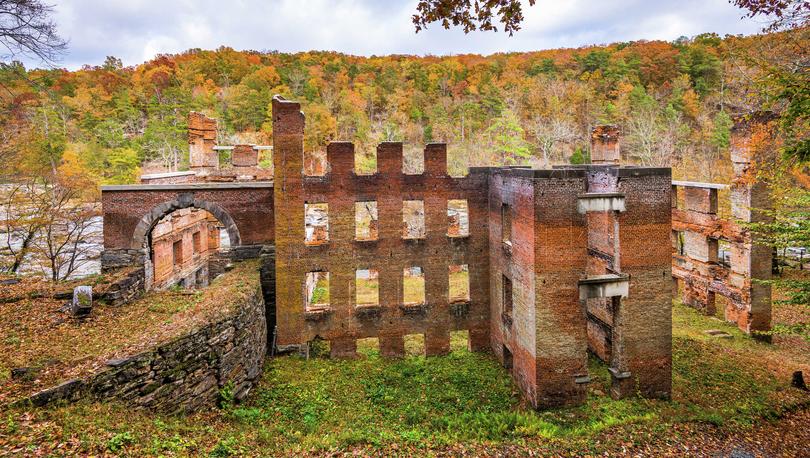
202	136
605	145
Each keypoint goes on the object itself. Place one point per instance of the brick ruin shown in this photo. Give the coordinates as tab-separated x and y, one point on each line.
559	261
713	255
538	266
182	243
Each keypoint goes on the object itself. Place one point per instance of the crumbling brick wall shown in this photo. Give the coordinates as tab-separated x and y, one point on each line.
541	245
698	232
560	261
588	266
202	137
342	322
190	231
204	157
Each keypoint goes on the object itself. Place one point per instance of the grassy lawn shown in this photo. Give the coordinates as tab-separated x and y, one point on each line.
418	405
413	289
368	291
460	285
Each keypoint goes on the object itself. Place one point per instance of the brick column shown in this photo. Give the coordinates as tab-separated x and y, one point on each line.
202	136
288	202
605	145
641	357
561	239
748	196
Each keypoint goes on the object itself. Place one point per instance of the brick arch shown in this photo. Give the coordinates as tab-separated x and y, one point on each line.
185	200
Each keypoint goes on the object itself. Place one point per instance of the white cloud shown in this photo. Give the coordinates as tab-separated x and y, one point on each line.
137	30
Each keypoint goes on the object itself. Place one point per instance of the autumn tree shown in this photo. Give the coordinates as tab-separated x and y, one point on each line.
506	139
783	14
550	132
68	224
470	15
23	218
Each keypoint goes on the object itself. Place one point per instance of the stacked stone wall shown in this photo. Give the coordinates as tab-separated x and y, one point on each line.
127	289
185	374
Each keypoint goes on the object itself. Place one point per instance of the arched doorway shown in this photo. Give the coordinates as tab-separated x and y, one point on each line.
180	239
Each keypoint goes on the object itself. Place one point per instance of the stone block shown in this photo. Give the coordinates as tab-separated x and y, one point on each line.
82	303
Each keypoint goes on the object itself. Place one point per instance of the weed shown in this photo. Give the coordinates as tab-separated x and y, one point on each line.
226	396
225	447
119	441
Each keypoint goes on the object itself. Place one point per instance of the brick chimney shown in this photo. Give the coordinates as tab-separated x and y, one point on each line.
202	136
605	144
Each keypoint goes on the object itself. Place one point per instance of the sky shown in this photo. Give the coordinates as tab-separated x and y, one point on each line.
137	30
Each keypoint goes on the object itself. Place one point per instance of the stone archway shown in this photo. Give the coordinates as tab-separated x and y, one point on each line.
184	200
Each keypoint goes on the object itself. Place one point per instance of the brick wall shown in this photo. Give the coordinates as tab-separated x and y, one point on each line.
249	205
698	231
560	261
535	237
511	201
342	323
191	267
641	360
202	137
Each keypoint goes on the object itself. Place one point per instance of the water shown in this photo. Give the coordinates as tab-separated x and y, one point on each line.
89	261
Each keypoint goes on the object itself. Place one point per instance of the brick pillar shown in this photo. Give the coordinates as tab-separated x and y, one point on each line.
641	357
202	136
605	145
478	339
342	347
288	202
560	252
392	345
748	197
437	341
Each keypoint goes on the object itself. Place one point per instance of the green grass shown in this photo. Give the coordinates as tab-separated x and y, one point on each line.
320	295
413	290
459	285
460	400
367	291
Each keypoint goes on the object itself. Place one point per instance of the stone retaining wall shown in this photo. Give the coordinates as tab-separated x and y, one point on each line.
182	375
125	290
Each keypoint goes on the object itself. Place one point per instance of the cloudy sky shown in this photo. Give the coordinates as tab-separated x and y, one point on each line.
136	30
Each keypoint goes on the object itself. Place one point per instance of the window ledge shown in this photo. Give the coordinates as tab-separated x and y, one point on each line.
414	308
460	307
368	310
507	247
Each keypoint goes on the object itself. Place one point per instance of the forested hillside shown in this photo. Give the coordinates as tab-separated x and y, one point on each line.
674	102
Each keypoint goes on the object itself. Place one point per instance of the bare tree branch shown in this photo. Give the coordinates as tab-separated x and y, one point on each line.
26	29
